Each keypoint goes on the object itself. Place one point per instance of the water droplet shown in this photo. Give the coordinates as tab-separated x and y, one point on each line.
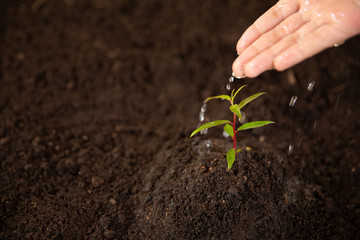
204	131
203	108
202	112
207	143
292	101
228	86
201	116
337	102
225	134
237	77
311	85
315	123
243	119
231	79
291	148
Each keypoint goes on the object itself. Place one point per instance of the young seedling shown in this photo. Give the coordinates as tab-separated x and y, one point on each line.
230	127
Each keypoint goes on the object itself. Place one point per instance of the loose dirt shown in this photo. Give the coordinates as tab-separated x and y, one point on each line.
97	102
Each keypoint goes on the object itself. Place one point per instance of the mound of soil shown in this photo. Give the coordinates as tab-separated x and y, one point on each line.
98	99
196	198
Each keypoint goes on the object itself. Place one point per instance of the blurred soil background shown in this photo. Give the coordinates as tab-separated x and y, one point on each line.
97	102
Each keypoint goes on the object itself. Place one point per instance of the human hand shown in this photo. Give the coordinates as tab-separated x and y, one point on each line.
293	30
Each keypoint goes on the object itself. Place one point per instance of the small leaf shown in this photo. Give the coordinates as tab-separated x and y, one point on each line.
209	125
230	156
233	96
256	124
237	151
229	130
235	109
222	97
249	99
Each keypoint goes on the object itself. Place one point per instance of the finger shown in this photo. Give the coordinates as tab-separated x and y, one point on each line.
285	28
266	22
323	37
267	40
265	60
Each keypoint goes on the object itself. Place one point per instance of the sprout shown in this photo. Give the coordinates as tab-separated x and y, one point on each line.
230	127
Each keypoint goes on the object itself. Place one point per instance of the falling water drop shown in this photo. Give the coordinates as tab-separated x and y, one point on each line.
228	86
201	116
311	85
207	143
231	79
315	123
292	101
204	131
337	102
202	113
203	108
291	148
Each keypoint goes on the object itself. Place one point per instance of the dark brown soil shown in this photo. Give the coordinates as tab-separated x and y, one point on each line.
98	99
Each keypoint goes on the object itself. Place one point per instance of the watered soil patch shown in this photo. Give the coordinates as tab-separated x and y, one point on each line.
98	99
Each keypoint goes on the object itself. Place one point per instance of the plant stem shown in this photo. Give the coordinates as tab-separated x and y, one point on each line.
234	137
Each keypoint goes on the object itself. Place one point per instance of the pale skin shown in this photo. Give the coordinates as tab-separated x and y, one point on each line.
293	30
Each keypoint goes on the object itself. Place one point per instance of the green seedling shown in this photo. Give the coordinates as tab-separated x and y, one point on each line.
230	127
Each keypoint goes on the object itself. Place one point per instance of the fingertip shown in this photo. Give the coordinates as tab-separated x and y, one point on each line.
246	39
279	63
239	46
237	68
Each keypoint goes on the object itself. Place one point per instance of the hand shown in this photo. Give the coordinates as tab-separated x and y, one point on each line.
294	30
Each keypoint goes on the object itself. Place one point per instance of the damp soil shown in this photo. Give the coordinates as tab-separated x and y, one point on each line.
98	99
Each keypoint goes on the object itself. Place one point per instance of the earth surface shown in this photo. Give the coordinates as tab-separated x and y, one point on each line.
98	99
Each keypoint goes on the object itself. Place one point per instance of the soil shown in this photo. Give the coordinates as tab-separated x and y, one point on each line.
98	99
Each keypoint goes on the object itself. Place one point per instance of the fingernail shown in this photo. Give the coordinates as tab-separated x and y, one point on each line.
238	77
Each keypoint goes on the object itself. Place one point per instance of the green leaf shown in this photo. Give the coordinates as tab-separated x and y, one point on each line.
249	99
235	109
209	125
230	156
256	124
222	97
229	130
233	96
237	151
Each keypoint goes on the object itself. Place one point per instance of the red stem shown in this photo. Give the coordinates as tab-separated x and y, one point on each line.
234	137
